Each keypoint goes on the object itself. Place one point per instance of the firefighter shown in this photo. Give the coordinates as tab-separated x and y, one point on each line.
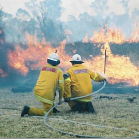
78	83
50	76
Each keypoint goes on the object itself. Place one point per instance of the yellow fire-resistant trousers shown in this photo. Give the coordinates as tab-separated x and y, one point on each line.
40	112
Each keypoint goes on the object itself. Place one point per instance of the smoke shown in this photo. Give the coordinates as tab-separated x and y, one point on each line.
119	13
50	18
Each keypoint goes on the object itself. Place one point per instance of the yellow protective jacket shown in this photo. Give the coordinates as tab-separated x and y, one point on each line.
79	82
45	89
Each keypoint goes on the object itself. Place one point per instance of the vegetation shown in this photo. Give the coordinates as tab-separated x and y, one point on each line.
40	19
86	49
115	112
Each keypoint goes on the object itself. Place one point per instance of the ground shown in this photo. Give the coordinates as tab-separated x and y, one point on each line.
117	111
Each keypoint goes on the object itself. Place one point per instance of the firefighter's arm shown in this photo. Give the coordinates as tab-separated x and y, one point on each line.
96	76
61	87
67	87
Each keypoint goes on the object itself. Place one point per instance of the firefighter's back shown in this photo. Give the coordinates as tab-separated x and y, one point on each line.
47	82
80	80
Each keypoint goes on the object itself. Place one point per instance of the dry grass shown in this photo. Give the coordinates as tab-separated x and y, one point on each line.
117	112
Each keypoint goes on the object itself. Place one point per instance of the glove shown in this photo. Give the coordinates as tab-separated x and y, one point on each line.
66	75
103	75
104	80
67	99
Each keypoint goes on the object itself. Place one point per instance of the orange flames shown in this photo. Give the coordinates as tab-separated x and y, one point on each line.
135	35
85	40
108	35
118	68
115	35
35	56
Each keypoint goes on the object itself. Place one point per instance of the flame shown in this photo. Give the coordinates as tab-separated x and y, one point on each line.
108	35
85	40
118	68
35	56
135	35
114	35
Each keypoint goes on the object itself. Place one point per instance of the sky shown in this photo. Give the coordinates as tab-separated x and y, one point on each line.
76	7
11	6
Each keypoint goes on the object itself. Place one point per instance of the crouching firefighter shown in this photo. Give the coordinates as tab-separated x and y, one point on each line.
50	76
78	83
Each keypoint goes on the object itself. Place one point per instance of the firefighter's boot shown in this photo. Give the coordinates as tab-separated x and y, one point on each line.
56	111
25	111
89	107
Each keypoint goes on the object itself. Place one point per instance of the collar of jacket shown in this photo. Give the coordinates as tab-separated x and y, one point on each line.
50	65
77	65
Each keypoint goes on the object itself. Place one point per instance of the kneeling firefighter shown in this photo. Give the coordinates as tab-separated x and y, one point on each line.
50	76
78	83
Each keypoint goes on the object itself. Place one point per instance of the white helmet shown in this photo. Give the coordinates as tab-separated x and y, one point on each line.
53	57
76	58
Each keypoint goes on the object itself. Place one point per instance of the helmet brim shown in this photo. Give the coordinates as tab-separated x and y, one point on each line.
78	62
52	59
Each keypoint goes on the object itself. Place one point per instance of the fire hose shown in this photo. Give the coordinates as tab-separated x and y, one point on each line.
88	124
83	136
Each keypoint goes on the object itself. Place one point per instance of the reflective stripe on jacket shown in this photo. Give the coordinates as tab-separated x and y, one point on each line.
45	89
79	83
